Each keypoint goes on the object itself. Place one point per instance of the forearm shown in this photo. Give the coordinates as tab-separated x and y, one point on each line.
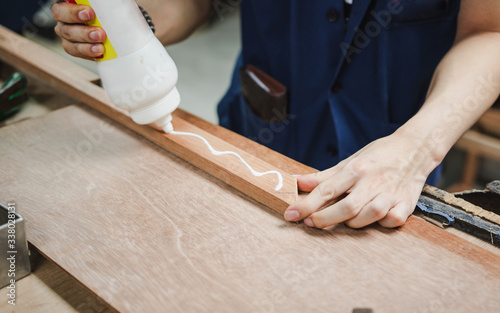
464	86
175	20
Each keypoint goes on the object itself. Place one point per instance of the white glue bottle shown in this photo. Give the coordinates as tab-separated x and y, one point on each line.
136	70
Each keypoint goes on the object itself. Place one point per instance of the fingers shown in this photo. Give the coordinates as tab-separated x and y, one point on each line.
397	216
79	40
374	211
344	210
72	13
326	192
80	33
83	50
308	182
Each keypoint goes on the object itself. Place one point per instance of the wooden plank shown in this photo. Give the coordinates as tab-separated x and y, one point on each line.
228	168
272	157
13	45
75	81
476	241
147	232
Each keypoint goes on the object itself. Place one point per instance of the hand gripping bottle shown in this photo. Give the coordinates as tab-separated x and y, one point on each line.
136	70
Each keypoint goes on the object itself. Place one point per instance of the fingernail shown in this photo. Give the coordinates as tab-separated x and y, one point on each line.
84	15
295	175
97	49
95	36
292	215
309	222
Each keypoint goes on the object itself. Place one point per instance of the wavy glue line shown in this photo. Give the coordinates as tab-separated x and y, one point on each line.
215	152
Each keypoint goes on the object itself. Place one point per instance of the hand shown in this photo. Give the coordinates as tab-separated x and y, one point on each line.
381	183
78	39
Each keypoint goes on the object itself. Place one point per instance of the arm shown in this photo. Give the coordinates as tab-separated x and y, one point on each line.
466	82
175	20
384	179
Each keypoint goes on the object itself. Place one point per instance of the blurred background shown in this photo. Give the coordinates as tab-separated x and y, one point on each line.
205	62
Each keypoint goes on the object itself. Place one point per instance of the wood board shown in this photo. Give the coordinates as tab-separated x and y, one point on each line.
148	232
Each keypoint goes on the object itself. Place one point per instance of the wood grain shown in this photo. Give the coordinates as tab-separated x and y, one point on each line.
148	232
78	83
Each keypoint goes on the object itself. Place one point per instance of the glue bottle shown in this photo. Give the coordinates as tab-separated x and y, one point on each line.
136	70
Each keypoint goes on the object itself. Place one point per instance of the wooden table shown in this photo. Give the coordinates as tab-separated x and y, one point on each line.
147	232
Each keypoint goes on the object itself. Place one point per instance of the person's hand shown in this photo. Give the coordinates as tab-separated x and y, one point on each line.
78	39
380	183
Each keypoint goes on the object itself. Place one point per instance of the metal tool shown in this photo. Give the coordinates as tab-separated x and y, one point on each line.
14	253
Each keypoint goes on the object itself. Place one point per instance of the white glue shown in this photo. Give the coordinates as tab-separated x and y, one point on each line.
136	70
215	152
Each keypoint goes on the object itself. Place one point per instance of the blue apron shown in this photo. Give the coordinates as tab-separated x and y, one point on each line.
350	81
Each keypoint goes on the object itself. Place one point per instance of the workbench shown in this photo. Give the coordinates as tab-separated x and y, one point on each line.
142	230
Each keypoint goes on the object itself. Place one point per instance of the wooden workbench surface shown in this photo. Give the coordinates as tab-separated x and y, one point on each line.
147	232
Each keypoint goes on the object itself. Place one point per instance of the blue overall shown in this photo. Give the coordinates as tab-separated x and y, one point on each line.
350	81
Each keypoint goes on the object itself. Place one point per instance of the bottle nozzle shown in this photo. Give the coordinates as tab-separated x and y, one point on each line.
165	123
168	128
